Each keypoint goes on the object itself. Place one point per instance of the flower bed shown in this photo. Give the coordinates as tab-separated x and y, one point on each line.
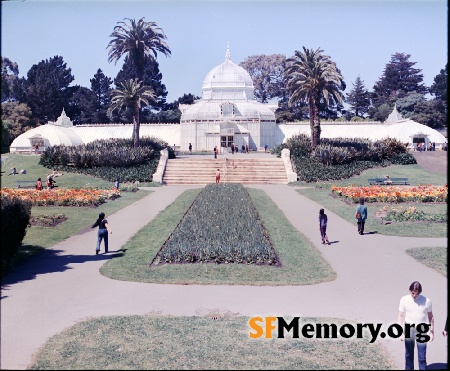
420	193
63	196
400	214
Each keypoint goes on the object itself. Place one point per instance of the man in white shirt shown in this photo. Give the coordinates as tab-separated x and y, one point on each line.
415	312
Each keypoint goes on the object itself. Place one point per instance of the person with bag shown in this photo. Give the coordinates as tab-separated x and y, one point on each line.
323	220
361	215
103	229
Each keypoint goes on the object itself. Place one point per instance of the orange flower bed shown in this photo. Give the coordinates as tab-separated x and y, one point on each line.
420	193
63	196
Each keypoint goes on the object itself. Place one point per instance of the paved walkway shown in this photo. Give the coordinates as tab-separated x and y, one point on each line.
63	286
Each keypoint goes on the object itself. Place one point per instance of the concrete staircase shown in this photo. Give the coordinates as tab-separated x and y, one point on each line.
236	169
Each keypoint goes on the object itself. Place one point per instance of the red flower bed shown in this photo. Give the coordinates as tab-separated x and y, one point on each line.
420	193
63	196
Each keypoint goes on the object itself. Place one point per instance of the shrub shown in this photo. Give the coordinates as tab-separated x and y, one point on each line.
109	159
15	219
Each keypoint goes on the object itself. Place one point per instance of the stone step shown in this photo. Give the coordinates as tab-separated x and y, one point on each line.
238	170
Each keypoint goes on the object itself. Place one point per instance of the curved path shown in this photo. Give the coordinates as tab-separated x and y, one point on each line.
63	286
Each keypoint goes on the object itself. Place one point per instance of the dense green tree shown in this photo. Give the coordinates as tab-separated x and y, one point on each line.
10	77
358	99
81	107
381	113
432	113
5	138
47	88
101	89
406	104
16	119
132	94
267	73
151	76
138	40
439	87
399	78
187	99
313	77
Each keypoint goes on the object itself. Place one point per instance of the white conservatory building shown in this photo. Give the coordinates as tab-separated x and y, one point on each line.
227	113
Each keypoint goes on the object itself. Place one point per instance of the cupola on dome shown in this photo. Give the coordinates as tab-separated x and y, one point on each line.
228	81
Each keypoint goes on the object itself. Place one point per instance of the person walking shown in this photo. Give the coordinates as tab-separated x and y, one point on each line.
323	220
190	148
361	215
117	184
415	310
217	176
39	186
103	229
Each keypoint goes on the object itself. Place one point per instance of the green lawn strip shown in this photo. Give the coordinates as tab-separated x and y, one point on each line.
302	264
69	180
336	204
160	343
415	173
433	257
79	218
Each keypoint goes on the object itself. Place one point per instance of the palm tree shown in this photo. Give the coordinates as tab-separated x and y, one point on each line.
139	40
312	77
132	94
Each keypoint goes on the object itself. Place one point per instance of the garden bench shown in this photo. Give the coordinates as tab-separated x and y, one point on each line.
394	181
26	184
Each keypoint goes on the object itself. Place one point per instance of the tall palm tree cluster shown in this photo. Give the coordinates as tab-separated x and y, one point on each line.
139	41
312	77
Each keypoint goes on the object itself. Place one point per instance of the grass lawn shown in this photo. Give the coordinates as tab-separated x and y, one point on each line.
69	180
302	263
219	343
433	257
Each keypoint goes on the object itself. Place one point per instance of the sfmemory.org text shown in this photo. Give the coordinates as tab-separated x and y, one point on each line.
264	326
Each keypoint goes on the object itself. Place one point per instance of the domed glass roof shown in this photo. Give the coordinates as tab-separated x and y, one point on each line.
228	81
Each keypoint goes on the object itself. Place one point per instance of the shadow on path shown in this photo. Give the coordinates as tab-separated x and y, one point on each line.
50	261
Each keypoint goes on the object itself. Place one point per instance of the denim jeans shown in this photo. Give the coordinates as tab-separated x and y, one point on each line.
361	226
102	235
409	353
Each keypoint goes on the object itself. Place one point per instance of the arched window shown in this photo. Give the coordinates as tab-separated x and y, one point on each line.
227	109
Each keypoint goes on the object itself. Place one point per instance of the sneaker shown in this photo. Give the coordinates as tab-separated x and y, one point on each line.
96	252
328	242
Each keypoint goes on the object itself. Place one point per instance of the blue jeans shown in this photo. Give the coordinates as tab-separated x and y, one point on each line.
102	235
409	353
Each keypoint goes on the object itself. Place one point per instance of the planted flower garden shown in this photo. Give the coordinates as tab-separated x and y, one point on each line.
221	226
421	193
63	196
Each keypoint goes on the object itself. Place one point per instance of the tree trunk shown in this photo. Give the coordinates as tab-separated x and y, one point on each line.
314	122
136	126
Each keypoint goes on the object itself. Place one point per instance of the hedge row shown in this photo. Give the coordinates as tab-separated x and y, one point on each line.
342	158
109	159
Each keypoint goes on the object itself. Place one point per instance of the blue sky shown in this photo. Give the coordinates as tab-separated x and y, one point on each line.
360	36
